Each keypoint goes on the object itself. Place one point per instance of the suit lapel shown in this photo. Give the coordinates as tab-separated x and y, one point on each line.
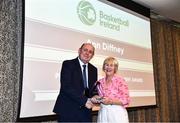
89	76
78	69
90	83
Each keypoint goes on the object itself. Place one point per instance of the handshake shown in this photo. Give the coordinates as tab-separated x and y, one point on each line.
93	101
97	99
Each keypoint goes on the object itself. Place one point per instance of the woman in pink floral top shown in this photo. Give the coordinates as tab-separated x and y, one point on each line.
115	96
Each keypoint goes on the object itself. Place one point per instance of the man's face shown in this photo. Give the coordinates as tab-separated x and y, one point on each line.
86	53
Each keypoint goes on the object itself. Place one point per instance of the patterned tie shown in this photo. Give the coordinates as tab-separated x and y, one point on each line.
84	76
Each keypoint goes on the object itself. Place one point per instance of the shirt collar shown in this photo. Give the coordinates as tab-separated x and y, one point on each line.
81	63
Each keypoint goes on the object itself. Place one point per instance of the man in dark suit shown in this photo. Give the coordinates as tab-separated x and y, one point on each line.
73	103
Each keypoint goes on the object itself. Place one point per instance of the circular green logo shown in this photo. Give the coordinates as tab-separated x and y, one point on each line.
86	12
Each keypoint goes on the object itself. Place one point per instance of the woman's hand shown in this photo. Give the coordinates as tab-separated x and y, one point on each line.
107	101
96	99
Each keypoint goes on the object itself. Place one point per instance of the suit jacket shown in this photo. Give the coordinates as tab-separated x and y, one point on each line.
71	100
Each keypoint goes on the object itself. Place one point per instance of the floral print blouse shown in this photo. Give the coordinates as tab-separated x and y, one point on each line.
117	89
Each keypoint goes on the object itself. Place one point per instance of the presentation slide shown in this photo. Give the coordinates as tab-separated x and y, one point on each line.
54	31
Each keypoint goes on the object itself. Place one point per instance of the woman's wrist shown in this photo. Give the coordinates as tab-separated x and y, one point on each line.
111	102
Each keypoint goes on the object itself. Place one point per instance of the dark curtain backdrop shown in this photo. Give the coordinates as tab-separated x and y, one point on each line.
166	59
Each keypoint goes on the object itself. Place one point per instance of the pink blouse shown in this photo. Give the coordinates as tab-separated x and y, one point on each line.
118	89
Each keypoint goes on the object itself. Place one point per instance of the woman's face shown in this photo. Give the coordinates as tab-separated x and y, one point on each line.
109	68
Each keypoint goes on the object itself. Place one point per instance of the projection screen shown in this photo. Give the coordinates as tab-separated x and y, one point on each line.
54	31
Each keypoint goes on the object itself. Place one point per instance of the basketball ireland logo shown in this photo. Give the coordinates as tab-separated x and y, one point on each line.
86	12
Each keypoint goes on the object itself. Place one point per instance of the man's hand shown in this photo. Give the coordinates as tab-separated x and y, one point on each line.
96	99
89	104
